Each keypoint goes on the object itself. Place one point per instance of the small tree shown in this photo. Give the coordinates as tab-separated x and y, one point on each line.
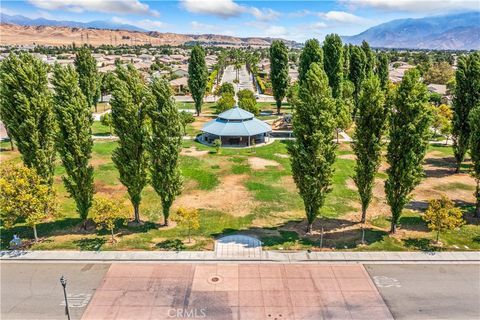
475	152
107	213
225	102
188	218
24	195
217	143
279	71
247	101
185	119
442	215
106	120
197	76
226	87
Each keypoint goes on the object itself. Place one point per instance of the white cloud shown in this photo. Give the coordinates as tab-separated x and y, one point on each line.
202	27
108	6
147	24
341	16
421	6
276	32
221	8
227	9
265	14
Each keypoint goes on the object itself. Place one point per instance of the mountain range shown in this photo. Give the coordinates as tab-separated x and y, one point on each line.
459	31
24	21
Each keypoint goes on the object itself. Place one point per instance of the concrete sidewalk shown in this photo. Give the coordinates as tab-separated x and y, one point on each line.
263	256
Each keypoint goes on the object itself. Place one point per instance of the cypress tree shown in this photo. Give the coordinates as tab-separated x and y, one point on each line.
475	152
74	137
88	77
279	71
367	140
197	76
313	151
409	134
130	102
27	112
382	70
333	55
312	52
164	145
467	95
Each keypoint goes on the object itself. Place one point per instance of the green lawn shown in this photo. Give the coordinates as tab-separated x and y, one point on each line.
275	218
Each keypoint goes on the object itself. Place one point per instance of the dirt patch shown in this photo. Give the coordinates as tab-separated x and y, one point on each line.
193	152
99	161
110	190
281	155
260	163
347	156
200	121
231	196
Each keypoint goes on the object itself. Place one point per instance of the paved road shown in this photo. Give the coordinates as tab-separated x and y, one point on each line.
33	290
429	291
245	79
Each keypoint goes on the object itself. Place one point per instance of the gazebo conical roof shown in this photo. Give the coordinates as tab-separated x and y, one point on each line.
236	122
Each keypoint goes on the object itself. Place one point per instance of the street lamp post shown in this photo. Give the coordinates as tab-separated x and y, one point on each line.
63	281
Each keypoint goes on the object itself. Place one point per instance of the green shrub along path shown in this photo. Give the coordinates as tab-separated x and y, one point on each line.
276	215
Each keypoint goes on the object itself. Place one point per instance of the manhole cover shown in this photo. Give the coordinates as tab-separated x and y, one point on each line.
215	279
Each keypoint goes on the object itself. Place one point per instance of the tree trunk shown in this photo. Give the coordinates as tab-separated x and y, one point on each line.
84	224
446	141
113	238
309	228
166	213
11	145
438	235
279	105
393	228
364	214
35	232
338	141
136	212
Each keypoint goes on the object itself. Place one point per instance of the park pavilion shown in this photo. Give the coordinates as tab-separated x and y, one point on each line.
236	128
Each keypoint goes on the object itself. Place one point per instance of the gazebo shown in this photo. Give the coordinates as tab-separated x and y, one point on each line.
236	128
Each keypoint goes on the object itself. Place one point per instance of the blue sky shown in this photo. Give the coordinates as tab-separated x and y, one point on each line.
296	20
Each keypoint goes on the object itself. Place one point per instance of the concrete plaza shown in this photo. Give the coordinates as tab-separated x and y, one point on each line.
236	291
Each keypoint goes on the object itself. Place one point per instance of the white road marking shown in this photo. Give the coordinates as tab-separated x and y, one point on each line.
77	300
386	282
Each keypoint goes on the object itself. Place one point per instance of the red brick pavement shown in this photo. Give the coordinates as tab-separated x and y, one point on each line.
236	291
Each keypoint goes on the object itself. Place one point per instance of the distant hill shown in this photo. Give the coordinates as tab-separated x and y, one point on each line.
16	34
449	32
24	21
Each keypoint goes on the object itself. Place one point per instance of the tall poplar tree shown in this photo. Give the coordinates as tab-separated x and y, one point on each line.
357	69
311	52
74	137
475	152
88	76
279	71
467	95
197	76
382	70
333	55
367	140
313	151
164	145
409	135
27	112
130	102
370	58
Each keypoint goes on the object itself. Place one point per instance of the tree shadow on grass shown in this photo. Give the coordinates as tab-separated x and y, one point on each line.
422	244
414	223
171	245
443	167
90	244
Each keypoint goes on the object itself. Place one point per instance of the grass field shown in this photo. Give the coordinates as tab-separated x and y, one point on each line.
251	191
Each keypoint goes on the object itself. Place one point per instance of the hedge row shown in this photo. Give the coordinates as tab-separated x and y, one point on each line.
211	80
260	84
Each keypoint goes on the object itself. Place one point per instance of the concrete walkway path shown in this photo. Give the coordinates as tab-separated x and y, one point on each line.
265	256
238	246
